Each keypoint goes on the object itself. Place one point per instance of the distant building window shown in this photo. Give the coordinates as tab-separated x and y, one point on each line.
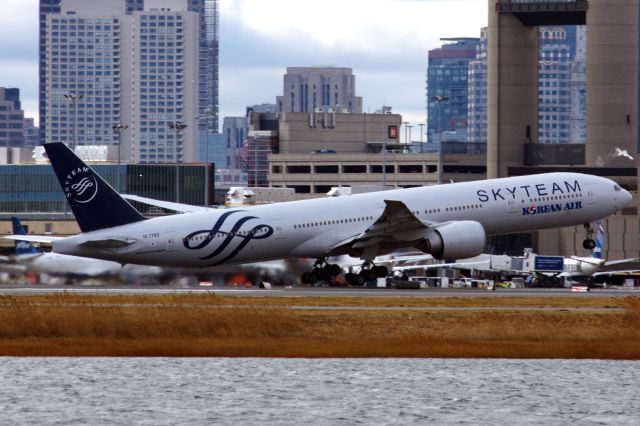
322	189
327	169
301	189
378	169
298	169
410	168
358	168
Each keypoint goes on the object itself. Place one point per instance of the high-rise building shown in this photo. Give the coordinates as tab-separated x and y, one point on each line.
234	130
11	118
108	65
31	134
561	87
206	61
578	87
164	86
447	76
556	45
477	113
309	89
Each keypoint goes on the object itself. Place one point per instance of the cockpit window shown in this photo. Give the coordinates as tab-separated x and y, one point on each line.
616	188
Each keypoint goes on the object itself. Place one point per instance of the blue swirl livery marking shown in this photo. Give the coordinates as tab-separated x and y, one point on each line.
80	185
258	232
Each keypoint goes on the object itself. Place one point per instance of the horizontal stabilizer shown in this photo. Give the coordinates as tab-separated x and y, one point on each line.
176	207
108	243
43	239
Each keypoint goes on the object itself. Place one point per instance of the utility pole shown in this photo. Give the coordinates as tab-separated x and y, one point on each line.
178	127
73	99
439	100
119	128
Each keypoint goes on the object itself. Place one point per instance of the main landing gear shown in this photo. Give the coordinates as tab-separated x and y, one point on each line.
323	271
589	243
368	272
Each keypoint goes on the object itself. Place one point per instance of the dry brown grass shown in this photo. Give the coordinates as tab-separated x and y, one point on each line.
208	325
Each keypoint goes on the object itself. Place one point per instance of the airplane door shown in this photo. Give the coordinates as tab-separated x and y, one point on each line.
512	206
278	229
172	244
590	194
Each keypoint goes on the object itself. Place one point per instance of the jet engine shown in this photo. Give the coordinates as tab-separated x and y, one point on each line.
454	240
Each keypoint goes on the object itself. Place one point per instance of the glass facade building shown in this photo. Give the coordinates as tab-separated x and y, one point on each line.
447	75
35	188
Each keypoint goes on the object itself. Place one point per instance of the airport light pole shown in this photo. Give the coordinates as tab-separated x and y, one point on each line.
119	128
421	133
178	127
73	99
439	100
208	115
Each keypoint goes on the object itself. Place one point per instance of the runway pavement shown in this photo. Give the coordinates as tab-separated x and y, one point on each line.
314	291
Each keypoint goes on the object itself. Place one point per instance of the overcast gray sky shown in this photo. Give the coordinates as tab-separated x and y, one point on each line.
384	41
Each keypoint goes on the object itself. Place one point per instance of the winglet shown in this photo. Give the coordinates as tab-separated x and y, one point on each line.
95	204
22	246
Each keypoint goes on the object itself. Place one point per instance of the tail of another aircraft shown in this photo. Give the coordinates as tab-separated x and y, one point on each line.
22	247
95	204
597	250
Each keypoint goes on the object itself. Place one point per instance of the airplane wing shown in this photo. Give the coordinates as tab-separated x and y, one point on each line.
177	207
44	239
483	264
610	265
395	228
633	263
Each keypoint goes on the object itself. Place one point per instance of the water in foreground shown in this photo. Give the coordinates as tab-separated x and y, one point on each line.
262	391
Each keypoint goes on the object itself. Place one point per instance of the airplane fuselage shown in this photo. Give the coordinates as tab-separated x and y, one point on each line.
313	228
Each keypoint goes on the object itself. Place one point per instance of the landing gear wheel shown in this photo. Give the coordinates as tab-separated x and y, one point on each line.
304	279
589	244
350	278
380	271
334	270
312	277
367	275
360	279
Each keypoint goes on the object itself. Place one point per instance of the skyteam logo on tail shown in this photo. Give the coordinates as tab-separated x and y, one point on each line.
80	185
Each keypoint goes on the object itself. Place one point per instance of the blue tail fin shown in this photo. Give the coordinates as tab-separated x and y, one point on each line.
95	204
22	247
597	250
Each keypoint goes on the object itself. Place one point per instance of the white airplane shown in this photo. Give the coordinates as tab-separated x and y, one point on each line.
28	258
580	269
447	221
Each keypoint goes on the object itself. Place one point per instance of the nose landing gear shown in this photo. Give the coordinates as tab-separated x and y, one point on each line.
589	243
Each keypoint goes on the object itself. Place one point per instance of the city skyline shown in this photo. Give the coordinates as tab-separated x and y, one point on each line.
387	48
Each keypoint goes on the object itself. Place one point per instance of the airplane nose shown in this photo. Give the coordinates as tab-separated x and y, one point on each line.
626	198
